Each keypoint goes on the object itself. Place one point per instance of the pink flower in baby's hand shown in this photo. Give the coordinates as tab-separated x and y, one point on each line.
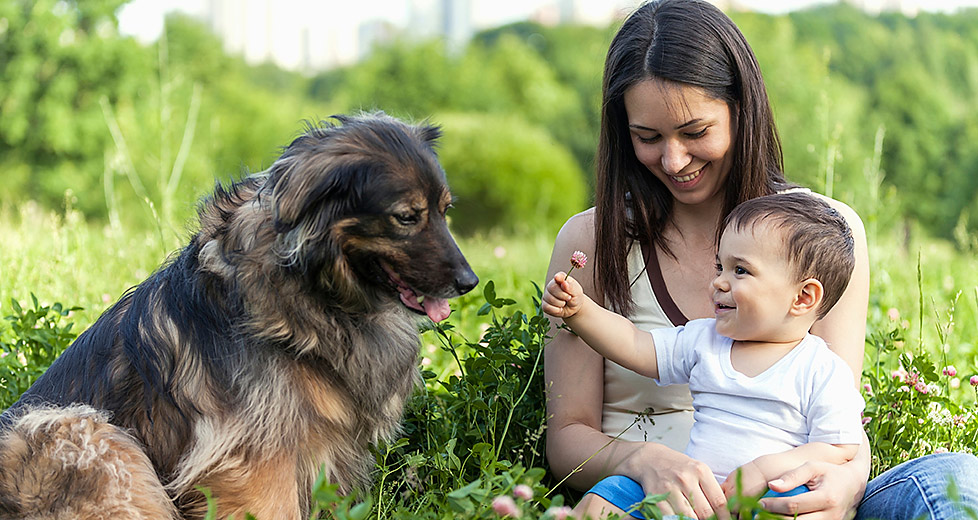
578	260
505	506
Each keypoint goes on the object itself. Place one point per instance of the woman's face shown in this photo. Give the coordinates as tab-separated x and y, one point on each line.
682	136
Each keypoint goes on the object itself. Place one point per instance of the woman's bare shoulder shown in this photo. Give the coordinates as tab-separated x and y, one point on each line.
579	228
852	218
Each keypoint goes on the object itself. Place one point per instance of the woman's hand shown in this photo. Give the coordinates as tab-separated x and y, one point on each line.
835	489
692	488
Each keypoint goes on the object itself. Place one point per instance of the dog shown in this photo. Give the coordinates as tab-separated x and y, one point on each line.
275	346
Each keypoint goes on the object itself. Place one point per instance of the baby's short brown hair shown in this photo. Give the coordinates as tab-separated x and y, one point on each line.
816	238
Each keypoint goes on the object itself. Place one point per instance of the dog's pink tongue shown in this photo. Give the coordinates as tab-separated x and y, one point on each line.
436	308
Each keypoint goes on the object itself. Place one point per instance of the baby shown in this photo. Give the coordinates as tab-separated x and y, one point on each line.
767	395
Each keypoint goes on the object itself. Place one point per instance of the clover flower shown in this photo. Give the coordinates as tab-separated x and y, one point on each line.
505	506
950	371
913	379
578	261
559	513
899	374
523	492
973	380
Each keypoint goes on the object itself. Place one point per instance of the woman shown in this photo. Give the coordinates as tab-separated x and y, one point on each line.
687	133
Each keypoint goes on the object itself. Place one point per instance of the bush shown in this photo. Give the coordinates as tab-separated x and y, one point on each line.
37	337
507	174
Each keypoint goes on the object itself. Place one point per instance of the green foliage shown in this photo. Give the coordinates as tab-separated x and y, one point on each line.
486	418
58	60
37	335
508	174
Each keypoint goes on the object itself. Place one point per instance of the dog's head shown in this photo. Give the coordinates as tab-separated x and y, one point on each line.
359	209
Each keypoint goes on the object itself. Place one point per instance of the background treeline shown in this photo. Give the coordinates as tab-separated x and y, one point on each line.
142	131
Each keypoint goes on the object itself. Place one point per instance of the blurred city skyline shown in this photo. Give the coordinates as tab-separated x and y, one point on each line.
314	35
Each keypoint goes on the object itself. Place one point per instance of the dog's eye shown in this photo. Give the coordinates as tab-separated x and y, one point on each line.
406	219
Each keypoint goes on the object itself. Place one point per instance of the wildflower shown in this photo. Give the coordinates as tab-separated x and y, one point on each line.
955	383
106	298
578	261
560	513
940	449
868	389
499	252
893	314
950	371
505	506
974	380
900	374
913	379
866	420
921	387
523	492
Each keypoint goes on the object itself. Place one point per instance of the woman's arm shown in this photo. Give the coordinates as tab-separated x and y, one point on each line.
835	490
844	328
574	375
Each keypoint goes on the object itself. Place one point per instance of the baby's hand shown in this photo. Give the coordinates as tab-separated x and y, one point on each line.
752	481
563	296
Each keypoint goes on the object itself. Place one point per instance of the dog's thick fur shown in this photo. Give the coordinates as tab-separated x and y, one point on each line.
281	341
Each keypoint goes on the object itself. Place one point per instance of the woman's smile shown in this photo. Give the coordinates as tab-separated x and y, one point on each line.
686	181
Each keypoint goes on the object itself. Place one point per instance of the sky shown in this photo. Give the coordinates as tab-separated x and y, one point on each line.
144	18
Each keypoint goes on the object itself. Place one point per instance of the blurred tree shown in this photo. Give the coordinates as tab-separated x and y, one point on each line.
507	174
58	59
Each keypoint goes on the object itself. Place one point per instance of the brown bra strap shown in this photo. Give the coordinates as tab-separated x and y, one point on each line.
661	294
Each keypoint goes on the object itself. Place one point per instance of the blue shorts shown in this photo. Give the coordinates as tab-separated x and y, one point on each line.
624	493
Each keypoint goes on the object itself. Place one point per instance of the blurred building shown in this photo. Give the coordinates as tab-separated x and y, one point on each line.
310	36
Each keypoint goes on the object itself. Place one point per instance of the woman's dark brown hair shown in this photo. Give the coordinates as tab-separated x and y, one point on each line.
688	42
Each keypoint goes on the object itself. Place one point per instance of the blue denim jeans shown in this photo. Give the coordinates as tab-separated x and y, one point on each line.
912	490
919	489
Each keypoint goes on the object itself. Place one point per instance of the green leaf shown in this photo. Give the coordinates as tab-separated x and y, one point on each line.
489	292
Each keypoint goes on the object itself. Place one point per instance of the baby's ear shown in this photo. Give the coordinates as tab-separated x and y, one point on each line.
809	297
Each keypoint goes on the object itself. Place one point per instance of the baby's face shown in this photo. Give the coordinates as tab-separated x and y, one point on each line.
754	288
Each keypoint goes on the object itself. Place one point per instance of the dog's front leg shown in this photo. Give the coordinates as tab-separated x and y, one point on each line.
267	489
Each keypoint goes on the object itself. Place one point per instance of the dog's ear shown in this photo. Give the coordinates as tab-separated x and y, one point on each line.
308	175
429	133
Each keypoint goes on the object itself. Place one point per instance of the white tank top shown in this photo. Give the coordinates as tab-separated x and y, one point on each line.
627	394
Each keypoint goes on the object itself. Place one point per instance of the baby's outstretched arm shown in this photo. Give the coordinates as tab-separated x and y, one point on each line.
609	334
755	475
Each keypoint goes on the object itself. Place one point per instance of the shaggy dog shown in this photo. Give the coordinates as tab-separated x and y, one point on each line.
278	344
